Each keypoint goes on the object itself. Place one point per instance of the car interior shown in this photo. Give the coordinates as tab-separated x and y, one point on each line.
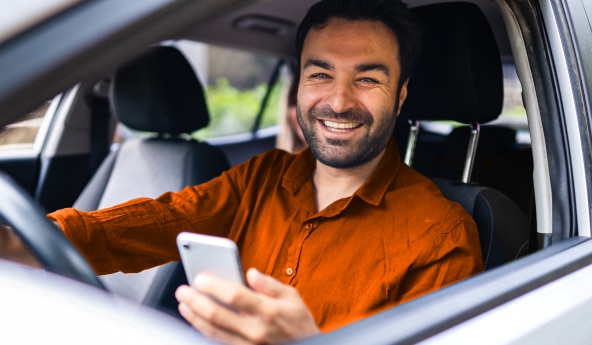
459	84
158	93
459	78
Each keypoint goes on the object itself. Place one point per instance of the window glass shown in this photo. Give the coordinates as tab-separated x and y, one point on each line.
22	134
236	83
513	112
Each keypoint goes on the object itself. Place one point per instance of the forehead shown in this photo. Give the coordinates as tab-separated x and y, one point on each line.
367	37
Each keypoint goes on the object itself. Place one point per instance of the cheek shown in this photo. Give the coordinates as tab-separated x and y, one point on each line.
379	105
306	93
307	96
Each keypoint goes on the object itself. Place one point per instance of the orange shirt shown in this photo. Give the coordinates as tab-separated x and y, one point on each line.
395	239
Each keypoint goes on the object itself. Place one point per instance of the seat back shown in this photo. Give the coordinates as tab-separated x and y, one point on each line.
503	226
501	162
159	94
459	77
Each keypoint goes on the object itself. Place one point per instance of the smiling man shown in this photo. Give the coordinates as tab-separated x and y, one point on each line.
349	95
378	233
348	101
333	234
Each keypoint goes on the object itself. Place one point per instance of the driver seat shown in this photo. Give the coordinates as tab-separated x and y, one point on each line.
159	95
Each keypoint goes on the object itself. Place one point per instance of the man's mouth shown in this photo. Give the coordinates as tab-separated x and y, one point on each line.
340	126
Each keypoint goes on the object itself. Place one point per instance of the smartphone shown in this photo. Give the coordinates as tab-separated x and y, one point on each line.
210	254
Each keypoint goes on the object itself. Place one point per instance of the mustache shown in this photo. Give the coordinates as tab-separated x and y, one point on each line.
352	115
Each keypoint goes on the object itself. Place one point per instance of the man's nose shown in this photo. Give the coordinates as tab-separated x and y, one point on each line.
342	97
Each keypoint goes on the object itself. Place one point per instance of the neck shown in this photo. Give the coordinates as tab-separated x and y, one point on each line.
332	184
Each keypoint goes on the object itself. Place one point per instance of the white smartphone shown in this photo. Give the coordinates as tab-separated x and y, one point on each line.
210	254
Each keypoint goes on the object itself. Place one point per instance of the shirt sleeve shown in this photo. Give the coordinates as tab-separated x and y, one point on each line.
141	233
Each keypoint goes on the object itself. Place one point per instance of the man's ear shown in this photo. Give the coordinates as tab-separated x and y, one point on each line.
402	96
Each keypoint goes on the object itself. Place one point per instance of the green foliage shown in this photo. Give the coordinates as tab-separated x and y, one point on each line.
516	111
233	111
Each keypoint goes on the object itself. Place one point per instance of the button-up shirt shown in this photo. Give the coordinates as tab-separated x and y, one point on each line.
394	239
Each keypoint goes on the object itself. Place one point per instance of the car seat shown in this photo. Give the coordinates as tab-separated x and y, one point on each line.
459	77
159	96
501	162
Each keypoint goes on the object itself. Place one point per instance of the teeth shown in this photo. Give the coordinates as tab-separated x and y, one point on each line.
340	126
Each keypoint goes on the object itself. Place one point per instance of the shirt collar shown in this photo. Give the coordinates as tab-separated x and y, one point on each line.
374	189
298	177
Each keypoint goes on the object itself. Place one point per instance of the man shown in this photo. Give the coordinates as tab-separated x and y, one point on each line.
333	234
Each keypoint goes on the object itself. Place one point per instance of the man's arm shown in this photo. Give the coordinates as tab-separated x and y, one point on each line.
270	312
13	249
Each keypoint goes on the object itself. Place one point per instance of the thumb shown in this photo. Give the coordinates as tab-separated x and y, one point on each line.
265	284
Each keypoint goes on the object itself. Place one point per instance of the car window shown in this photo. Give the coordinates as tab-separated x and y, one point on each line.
513	111
236	83
22	134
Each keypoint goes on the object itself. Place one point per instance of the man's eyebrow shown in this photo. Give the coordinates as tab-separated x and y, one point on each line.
373	67
318	63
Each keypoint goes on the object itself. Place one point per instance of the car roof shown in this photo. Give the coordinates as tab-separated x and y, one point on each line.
124	31
270	26
18	16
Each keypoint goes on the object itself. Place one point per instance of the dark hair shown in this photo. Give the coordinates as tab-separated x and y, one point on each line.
393	13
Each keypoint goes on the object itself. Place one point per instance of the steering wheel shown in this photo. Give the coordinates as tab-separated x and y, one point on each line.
45	241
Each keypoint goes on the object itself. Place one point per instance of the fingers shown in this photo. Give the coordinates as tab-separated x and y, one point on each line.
238	297
203	307
13	249
253	301
270	312
216	320
267	285
206	327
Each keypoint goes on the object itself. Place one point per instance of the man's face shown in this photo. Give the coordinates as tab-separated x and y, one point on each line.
348	97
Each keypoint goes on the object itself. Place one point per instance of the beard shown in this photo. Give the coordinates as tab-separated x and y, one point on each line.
347	153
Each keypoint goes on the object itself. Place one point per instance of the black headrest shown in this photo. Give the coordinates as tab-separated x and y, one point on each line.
459	73
159	92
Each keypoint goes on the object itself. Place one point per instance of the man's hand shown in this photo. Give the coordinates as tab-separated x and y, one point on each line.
12	248
270	313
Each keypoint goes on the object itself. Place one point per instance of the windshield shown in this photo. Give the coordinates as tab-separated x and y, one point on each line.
17	16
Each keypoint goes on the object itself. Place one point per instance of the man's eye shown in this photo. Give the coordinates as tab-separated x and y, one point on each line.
320	76
368	80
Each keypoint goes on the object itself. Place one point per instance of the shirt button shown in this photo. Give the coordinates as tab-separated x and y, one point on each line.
289	271
308	226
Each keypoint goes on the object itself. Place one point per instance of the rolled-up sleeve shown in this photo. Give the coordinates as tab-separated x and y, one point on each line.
141	233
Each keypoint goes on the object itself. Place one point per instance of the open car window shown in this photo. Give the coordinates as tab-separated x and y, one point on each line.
547	175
